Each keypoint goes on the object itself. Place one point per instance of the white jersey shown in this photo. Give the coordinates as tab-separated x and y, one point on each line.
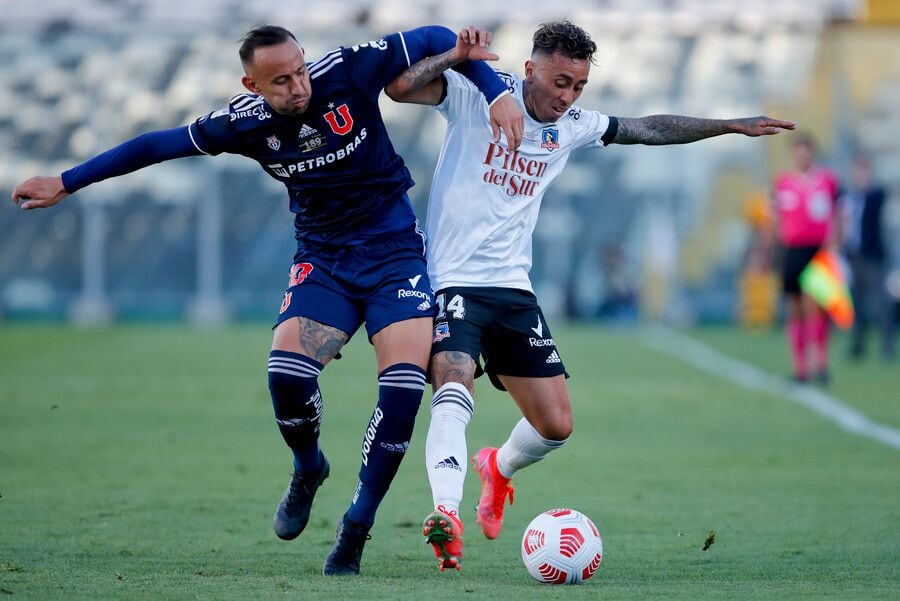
484	199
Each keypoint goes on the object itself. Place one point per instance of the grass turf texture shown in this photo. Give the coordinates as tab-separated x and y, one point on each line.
143	463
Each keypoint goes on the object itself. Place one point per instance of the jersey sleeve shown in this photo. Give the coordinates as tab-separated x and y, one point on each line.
461	97
213	133
373	65
592	129
137	153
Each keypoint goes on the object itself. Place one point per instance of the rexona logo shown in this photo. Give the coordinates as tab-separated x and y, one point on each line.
539	329
540	342
403	293
370	434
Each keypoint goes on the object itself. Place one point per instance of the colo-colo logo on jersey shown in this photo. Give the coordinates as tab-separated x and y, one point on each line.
549	138
370	434
517	175
289	169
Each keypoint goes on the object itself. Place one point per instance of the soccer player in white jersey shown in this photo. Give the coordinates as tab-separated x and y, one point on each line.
482	210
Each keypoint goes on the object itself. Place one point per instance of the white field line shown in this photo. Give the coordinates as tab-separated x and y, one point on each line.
699	355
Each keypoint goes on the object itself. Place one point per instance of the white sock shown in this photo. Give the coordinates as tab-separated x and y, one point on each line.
524	447
445	446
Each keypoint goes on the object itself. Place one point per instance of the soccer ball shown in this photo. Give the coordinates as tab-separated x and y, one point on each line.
562	546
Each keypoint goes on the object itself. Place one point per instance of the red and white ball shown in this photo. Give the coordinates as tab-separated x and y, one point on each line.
562	546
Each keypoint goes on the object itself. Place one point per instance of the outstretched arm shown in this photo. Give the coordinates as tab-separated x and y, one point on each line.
677	129
422	83
154	147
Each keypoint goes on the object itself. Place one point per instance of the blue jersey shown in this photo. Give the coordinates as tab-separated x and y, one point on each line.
346	182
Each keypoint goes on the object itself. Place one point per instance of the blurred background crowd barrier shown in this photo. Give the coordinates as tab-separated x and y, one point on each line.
627	232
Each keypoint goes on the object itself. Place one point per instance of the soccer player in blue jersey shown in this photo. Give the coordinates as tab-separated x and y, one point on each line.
317	128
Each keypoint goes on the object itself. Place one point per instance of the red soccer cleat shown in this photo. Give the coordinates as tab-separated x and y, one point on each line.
443	531
494	490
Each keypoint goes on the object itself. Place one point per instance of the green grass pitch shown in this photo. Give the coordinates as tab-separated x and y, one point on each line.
143	462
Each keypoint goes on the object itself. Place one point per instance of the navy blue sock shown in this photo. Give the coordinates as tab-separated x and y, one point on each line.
294	385
387	436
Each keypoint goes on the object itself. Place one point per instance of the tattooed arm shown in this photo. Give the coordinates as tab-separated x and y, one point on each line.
676	129
421	82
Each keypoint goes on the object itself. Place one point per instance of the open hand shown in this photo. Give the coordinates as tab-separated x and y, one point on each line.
761	126
472	45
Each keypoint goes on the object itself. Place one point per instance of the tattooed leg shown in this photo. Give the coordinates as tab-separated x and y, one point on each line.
309	338
453	366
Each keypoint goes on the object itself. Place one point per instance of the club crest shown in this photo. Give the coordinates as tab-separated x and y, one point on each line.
550	138
441	331
339	120
273	142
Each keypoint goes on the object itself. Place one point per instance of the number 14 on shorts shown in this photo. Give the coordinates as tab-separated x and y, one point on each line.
455	307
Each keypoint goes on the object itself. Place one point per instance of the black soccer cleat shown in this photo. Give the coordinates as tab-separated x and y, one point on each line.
292	514
347	551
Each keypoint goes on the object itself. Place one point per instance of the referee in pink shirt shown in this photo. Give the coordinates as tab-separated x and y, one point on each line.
806	221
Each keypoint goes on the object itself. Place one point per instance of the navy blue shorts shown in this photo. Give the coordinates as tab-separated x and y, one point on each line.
379	283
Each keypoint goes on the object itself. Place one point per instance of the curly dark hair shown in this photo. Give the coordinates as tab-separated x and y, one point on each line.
565	37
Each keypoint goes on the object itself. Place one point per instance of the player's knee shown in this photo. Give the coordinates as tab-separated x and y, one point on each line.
557	428
453	366
296	399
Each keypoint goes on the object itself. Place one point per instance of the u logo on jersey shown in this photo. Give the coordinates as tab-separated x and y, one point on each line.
347	121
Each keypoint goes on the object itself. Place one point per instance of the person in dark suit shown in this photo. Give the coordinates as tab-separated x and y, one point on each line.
865	247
